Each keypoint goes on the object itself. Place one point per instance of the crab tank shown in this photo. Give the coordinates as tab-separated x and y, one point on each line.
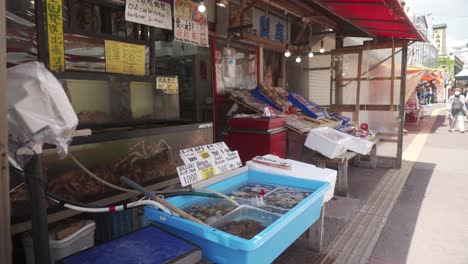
253	232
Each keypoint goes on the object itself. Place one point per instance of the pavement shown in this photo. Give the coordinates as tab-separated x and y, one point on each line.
428	223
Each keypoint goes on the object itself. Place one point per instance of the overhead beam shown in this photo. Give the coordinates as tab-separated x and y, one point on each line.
353	3
387	30
394	22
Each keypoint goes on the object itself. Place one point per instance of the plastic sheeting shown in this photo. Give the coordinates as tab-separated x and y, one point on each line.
39	111
376	85
239	70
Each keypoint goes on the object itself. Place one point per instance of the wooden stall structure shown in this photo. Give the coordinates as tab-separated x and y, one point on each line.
382	75
5	234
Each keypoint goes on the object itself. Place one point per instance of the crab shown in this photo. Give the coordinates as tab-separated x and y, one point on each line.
142	151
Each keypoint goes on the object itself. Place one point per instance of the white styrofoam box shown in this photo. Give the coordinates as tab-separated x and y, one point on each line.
81	239
327	141
300	170
357	145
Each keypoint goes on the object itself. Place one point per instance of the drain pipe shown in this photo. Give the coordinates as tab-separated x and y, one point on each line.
37	196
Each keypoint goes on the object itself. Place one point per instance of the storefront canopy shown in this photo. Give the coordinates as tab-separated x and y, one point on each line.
381	18
463	75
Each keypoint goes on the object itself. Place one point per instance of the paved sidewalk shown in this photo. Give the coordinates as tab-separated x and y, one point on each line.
429	222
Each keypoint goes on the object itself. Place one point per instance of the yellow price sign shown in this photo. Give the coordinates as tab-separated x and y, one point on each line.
125	58
208	172
204	154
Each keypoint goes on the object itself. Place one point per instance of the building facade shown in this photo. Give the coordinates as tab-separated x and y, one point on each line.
422	54
461	52
439	36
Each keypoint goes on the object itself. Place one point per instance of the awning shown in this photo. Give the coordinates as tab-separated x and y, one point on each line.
463	75
381	18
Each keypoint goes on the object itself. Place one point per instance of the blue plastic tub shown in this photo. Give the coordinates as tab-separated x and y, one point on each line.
222	247
308	107
260	96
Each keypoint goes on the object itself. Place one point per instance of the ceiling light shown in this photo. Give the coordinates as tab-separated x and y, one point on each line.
311	54
222	3
322	50
298	59
201	7
287	53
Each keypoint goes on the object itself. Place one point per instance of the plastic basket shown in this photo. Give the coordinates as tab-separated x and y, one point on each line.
81	239
246	212
286	190
223	208
310	108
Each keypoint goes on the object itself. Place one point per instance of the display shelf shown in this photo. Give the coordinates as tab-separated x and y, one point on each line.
132	132
83	75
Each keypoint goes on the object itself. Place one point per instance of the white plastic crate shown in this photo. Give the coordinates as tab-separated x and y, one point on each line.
327	141
357	145
81	239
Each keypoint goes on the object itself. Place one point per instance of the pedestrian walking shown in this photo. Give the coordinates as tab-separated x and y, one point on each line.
456	111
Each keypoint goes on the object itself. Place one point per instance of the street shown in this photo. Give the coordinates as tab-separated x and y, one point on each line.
428	221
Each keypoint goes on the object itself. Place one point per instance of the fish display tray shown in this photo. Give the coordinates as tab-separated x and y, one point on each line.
250	190
221	247
209	210
265	207
286	198
245	212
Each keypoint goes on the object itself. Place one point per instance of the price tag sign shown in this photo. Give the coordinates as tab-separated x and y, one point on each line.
206	161
167	84
125	58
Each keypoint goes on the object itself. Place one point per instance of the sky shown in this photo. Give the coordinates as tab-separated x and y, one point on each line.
454	13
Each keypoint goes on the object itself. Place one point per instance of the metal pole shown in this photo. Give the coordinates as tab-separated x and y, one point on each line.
401	107
5	234
36	187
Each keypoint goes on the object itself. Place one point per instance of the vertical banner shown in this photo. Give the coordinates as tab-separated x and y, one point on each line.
190	25
55	35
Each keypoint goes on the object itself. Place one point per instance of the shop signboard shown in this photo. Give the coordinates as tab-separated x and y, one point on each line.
125	58
190	25
149	12
55	35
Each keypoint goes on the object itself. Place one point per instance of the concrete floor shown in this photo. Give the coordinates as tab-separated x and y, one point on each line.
428	222
338	211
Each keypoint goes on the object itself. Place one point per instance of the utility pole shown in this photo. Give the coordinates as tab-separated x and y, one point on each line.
5	234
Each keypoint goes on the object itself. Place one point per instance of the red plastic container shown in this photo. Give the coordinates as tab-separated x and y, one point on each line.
257	136
260	123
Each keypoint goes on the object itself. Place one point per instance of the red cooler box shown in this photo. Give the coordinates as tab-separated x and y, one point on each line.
257	136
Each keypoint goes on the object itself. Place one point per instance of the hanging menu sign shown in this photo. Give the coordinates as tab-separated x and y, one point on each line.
168	85
55	35
190	25
149	12
125	58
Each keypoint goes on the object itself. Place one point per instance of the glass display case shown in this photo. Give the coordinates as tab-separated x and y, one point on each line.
108	103
21	32
146	156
